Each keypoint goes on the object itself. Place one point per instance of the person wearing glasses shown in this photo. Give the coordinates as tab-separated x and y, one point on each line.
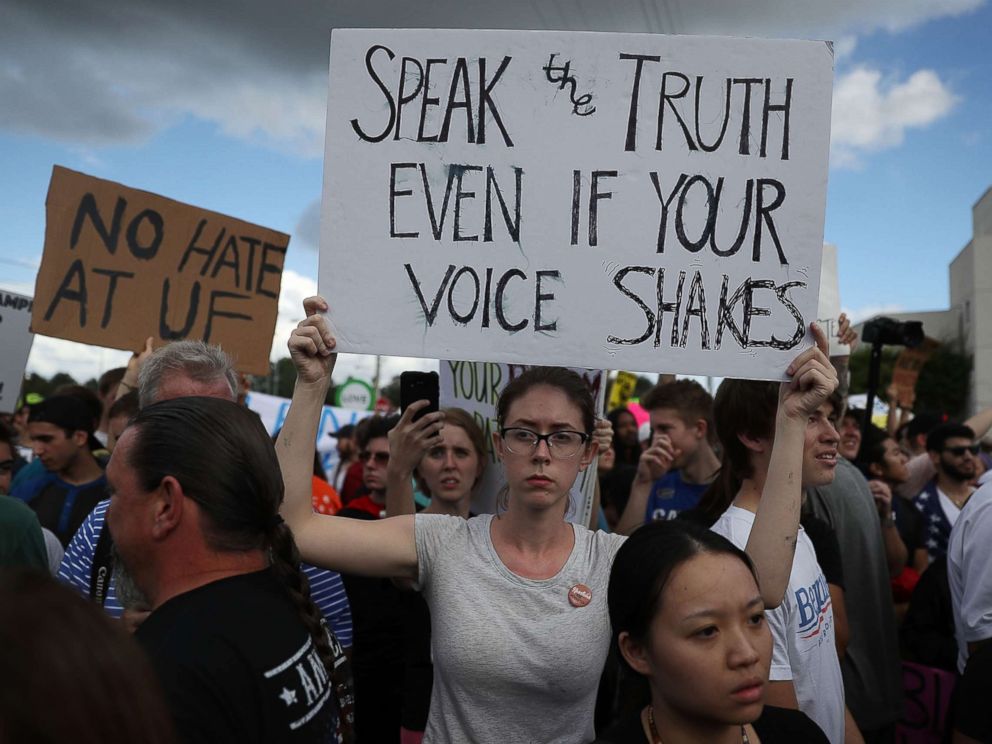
954	454
518	599
372	435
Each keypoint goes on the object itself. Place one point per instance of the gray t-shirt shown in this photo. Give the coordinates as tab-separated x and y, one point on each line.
514	660
871	666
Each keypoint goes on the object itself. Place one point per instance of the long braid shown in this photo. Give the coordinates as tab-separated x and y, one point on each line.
285	558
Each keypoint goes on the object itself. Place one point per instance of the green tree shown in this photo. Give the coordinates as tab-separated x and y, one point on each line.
944	383
281	380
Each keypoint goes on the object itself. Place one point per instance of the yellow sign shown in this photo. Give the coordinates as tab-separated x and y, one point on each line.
622	389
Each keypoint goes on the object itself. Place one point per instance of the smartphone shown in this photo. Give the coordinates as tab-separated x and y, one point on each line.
416	386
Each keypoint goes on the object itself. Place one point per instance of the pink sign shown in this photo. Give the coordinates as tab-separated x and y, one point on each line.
927	696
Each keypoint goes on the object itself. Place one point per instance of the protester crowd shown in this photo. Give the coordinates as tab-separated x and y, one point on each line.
172	574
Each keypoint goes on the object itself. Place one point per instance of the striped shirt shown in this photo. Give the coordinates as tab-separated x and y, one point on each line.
77	566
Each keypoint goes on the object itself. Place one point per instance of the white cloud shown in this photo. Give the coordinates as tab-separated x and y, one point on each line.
296	288
83	362
110	73
872	114
844	47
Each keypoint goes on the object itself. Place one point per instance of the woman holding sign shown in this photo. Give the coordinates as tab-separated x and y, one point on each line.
518	601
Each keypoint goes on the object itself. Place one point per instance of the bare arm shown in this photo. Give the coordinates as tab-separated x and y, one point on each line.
409	441
893	419
895	549
603	435
782	694
772	542
980	423
129	381
842	630
373	548
653	463
852	734
921	470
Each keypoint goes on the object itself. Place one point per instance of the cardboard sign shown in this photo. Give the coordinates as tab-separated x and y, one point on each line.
272	410
15	341
120	265
650	203
475	387
828	310
907	368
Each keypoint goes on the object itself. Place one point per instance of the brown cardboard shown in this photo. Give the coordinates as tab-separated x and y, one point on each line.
907	368
121	264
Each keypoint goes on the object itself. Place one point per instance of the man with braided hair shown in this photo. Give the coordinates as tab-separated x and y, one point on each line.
233	634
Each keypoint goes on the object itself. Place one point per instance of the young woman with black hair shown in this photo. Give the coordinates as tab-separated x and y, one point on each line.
688	619
518	600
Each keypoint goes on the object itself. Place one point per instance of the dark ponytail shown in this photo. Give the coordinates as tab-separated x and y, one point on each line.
222	456
285	558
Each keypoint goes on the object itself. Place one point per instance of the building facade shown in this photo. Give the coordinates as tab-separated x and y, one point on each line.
967	324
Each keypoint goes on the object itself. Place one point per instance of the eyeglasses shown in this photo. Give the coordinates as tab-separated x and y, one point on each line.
6	466
381	458
561	444
959	451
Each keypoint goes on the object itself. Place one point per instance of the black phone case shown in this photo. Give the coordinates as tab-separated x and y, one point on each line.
416	386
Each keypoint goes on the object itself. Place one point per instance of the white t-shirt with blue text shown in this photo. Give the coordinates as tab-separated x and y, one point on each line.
802	630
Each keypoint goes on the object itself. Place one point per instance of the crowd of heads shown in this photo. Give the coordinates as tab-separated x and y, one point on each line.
194	475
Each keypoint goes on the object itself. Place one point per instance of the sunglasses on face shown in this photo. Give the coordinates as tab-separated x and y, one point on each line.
381	458
959	451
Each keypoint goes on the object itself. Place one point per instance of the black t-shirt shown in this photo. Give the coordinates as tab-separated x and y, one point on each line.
927	632
418	677
378	651
972	715
237	664
62	507
774	726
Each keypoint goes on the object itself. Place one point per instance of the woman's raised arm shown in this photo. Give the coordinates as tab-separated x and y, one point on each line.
374	548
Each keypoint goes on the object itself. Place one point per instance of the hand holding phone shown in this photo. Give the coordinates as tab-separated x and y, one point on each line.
416	386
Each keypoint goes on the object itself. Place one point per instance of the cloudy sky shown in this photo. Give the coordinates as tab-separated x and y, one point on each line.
221	105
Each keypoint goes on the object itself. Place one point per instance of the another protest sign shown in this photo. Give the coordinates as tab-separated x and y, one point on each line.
272	410
622	389
15	340
828	310
906	370
475	387
121	264
927	695
653	203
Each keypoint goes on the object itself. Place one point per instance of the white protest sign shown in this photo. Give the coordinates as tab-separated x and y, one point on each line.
829	306
272	409
634	201
475	387
15	341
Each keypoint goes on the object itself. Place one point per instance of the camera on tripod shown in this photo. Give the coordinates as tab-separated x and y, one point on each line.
886	331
